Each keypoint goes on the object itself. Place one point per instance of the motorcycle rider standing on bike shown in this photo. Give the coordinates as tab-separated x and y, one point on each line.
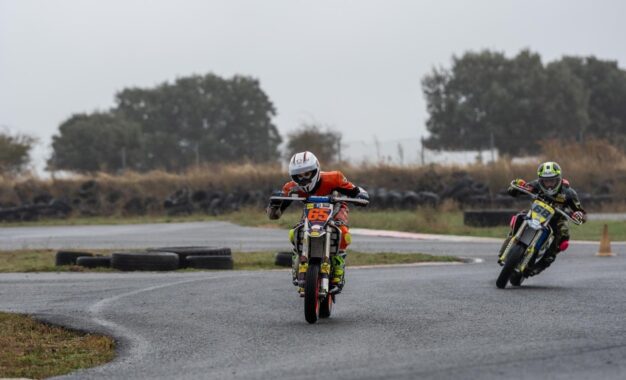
551	184
308	180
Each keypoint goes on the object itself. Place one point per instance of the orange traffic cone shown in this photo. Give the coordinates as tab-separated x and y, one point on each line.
605	244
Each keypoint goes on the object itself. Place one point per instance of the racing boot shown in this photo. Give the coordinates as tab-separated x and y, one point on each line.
337	278
302	268
295	263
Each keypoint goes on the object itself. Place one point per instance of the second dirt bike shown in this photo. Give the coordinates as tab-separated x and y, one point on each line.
531	240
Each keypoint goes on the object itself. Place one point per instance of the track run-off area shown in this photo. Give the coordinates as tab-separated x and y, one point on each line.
435	321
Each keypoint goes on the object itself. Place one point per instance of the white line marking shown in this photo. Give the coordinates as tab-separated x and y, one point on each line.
448	238
138	345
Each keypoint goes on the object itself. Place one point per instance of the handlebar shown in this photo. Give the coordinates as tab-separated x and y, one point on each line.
537	196
363	202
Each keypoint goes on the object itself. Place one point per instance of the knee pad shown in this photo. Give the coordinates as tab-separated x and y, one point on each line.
346	238
564	245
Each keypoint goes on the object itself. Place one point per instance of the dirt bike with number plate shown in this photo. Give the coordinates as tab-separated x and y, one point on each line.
531	240
316	238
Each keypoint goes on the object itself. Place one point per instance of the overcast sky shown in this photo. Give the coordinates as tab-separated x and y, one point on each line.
355	65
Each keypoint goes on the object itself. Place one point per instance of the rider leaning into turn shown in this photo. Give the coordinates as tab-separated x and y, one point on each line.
552	184
307	180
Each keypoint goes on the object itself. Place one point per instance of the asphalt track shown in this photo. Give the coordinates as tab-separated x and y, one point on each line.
398	323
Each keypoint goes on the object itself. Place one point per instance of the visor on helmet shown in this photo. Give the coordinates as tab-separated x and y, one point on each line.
304	178
550	183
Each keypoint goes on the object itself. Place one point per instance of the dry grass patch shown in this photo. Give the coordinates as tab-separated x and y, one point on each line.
37	350
41	260
265	260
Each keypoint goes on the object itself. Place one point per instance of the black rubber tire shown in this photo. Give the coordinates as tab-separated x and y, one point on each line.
284	259
150	261
311	293
69	257
210	262
94	262
512	259
516	279
326	307
185	252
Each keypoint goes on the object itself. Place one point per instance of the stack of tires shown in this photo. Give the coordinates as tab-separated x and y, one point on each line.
200	257
284	259
85	259
154	259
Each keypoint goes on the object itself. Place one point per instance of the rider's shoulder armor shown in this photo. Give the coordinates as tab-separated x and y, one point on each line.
566	193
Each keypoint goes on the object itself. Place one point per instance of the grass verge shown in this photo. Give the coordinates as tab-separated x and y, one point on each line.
43	260
265	260
424	220
37	350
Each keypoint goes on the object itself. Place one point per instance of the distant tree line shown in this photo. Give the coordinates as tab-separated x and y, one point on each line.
195	120
483	99
172	126
514	103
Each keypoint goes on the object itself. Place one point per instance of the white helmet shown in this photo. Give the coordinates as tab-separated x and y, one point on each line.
304	169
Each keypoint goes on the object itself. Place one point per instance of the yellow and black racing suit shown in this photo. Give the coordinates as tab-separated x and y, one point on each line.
566	198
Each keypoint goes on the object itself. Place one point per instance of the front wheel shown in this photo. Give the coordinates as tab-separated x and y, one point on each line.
311	293
512	260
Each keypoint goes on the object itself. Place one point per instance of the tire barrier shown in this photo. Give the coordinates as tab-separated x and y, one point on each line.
55	208
210	262
94	262
488	218
184	252
93	199
150	261
69	257
284	259
154	259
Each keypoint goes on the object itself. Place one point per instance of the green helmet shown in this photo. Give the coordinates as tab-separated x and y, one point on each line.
550	178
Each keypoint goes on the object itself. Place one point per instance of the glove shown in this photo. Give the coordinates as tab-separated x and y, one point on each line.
363	195
273	209
276	203
519	182
273	212
578	216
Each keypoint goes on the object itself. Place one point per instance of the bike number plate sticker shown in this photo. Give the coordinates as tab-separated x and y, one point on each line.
318	215
541	211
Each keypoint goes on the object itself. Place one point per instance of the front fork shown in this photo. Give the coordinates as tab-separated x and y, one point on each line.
325	266
512	241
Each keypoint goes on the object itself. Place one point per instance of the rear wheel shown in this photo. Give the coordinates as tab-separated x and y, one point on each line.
326	306
311	293
512	259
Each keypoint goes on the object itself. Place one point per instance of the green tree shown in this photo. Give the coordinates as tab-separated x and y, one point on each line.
514	102
14	152
326	145
605	86
202	118
484	96
98	141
